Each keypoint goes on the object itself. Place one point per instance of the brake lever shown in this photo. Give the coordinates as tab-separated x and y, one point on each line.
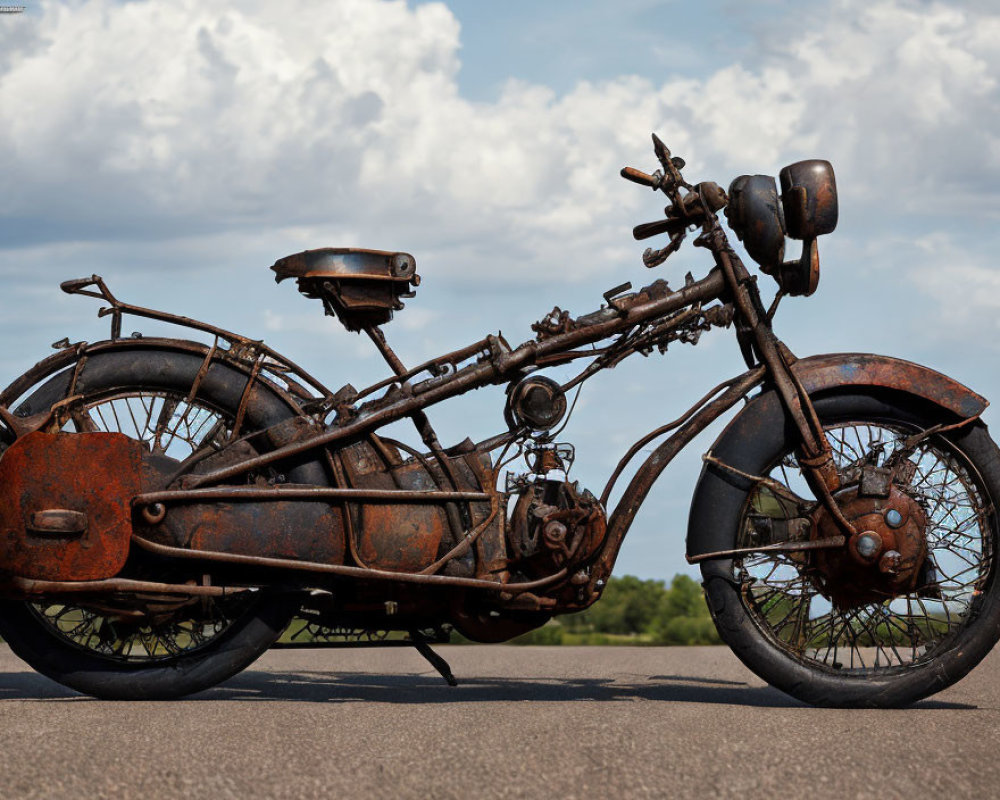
653	258
647	229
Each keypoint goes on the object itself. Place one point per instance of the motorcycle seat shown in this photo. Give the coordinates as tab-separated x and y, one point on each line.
360	287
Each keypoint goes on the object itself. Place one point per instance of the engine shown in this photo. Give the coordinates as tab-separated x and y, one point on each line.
554	524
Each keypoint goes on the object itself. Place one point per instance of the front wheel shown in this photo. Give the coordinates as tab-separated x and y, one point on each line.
822	629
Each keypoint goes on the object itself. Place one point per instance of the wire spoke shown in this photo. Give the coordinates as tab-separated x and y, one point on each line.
136	628
785	595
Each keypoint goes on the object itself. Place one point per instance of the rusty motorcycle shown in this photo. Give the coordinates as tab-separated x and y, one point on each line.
168	506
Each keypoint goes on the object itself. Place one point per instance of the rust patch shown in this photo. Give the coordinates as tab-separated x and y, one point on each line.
65	505
300	530
401	538
884	559
862	369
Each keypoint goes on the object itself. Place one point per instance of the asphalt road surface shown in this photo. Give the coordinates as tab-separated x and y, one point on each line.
533	722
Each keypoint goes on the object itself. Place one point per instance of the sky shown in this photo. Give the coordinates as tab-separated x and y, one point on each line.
179	148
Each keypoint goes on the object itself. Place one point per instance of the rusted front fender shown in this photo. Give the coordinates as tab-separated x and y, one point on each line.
820	376
822	373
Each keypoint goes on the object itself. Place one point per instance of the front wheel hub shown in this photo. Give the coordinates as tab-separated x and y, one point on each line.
883	559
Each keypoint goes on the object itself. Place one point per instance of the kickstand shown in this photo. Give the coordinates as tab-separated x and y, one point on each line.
436	661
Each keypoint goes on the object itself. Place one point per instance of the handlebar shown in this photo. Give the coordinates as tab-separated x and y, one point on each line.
638	176
689	205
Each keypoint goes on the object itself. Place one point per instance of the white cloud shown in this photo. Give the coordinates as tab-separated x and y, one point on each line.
179	148
174	117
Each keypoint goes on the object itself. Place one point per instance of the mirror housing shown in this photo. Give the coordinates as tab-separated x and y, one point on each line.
755	215
809	198
799	278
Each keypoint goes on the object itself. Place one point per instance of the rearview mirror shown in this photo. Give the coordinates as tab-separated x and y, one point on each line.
754	214
809	198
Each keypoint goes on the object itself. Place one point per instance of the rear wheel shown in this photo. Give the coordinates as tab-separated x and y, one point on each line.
791	618
137	646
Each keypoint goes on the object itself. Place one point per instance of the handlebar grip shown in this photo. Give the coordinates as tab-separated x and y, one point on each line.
77	285
637	176
647	229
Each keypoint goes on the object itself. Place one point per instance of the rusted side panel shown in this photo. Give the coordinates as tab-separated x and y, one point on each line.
401	538
396	537
864	369
300	530
65	505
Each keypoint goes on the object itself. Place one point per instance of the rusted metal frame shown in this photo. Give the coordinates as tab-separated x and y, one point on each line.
77	370
278	493
501	439
31	586
59	412
206	364
829	543
413	453
420	420
564	358
198	378
424	428
339	469
635	448
347	571
459	533
609	357
632	342
118	309
470	539
385	454
777	487
241	410
817	462
764	337
642	482
482	374
453	359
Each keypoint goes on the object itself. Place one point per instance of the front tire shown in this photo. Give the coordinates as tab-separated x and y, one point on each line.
772	612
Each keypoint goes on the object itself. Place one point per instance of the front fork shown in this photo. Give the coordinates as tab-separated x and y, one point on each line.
815	453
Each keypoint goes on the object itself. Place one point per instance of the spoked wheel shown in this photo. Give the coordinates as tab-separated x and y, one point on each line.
831	629
138	646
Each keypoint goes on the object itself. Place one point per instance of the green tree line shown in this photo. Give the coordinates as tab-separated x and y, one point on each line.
634	611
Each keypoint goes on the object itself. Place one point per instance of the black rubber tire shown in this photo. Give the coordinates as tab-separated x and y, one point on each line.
248	636
234	650
719	502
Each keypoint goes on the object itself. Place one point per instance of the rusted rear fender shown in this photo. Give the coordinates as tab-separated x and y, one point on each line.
69	356
764	416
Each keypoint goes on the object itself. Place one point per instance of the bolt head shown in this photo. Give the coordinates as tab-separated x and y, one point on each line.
893	518
891	562
869	543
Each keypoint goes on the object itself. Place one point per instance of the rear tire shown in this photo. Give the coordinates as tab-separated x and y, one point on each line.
55	656
81	644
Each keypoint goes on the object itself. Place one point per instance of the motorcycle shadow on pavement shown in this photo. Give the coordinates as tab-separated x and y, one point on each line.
429	688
